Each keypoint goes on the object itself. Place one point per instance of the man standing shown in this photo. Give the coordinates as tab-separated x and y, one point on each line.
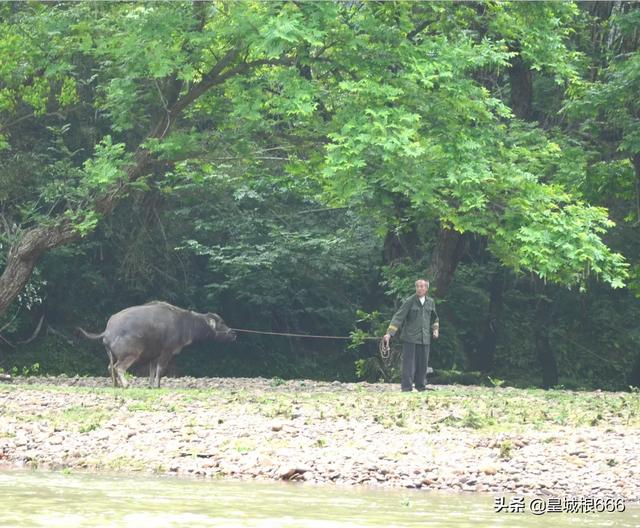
415	318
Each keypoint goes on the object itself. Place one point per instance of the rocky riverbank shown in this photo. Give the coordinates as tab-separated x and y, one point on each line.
451	438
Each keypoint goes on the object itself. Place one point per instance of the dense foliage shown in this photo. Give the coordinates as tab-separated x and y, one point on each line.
295	166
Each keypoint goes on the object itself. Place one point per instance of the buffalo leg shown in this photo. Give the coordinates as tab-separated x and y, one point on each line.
163	363
153	372
121	367
159	372
111	367
162	367
112	373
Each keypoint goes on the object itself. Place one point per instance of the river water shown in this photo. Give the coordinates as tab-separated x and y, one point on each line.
41	499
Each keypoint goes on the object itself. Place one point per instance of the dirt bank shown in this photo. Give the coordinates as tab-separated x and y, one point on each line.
452	438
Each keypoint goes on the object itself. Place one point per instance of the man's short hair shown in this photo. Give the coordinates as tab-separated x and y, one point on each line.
422	280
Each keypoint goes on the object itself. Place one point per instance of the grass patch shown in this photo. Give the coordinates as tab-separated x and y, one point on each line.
125	464
244	445
79	418
505	449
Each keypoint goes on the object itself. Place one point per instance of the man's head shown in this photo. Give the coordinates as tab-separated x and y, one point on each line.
422	287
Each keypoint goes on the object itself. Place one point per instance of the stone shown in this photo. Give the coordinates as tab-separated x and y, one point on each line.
290	472
488	469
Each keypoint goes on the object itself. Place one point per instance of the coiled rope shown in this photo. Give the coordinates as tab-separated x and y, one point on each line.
384	349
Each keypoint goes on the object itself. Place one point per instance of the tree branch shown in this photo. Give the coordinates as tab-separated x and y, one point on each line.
7	342
25	253
35	332
216	76
10	322
414	32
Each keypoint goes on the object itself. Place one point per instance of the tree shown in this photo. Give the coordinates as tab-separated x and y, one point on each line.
138	78
367	101
453	150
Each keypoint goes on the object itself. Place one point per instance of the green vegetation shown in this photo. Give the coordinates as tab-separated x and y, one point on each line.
295	166
83	419
505	449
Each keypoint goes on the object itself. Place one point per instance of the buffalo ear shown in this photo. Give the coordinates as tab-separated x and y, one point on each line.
212	323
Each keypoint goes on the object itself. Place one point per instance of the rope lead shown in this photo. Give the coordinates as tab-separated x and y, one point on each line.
383	349
297	335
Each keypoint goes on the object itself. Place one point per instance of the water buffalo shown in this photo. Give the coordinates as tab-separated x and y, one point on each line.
154	333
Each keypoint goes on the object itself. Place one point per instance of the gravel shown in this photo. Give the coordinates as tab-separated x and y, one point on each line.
254	428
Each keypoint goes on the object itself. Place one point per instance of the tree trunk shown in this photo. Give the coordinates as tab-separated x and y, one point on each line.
24	255
400	246
636	166
522	106
521	88
446	255
634	375
34	243
487	347
521	82
544	351
403	244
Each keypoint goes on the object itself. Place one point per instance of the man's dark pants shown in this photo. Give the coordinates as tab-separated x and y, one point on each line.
415	358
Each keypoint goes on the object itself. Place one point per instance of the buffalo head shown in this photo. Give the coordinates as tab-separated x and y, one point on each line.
220	328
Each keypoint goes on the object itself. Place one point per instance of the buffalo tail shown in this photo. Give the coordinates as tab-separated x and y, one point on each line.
89	335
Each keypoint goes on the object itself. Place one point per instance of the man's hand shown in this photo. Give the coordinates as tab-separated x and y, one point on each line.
436	333
385	339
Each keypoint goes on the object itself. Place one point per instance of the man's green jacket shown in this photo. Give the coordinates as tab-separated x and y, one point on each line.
415	320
